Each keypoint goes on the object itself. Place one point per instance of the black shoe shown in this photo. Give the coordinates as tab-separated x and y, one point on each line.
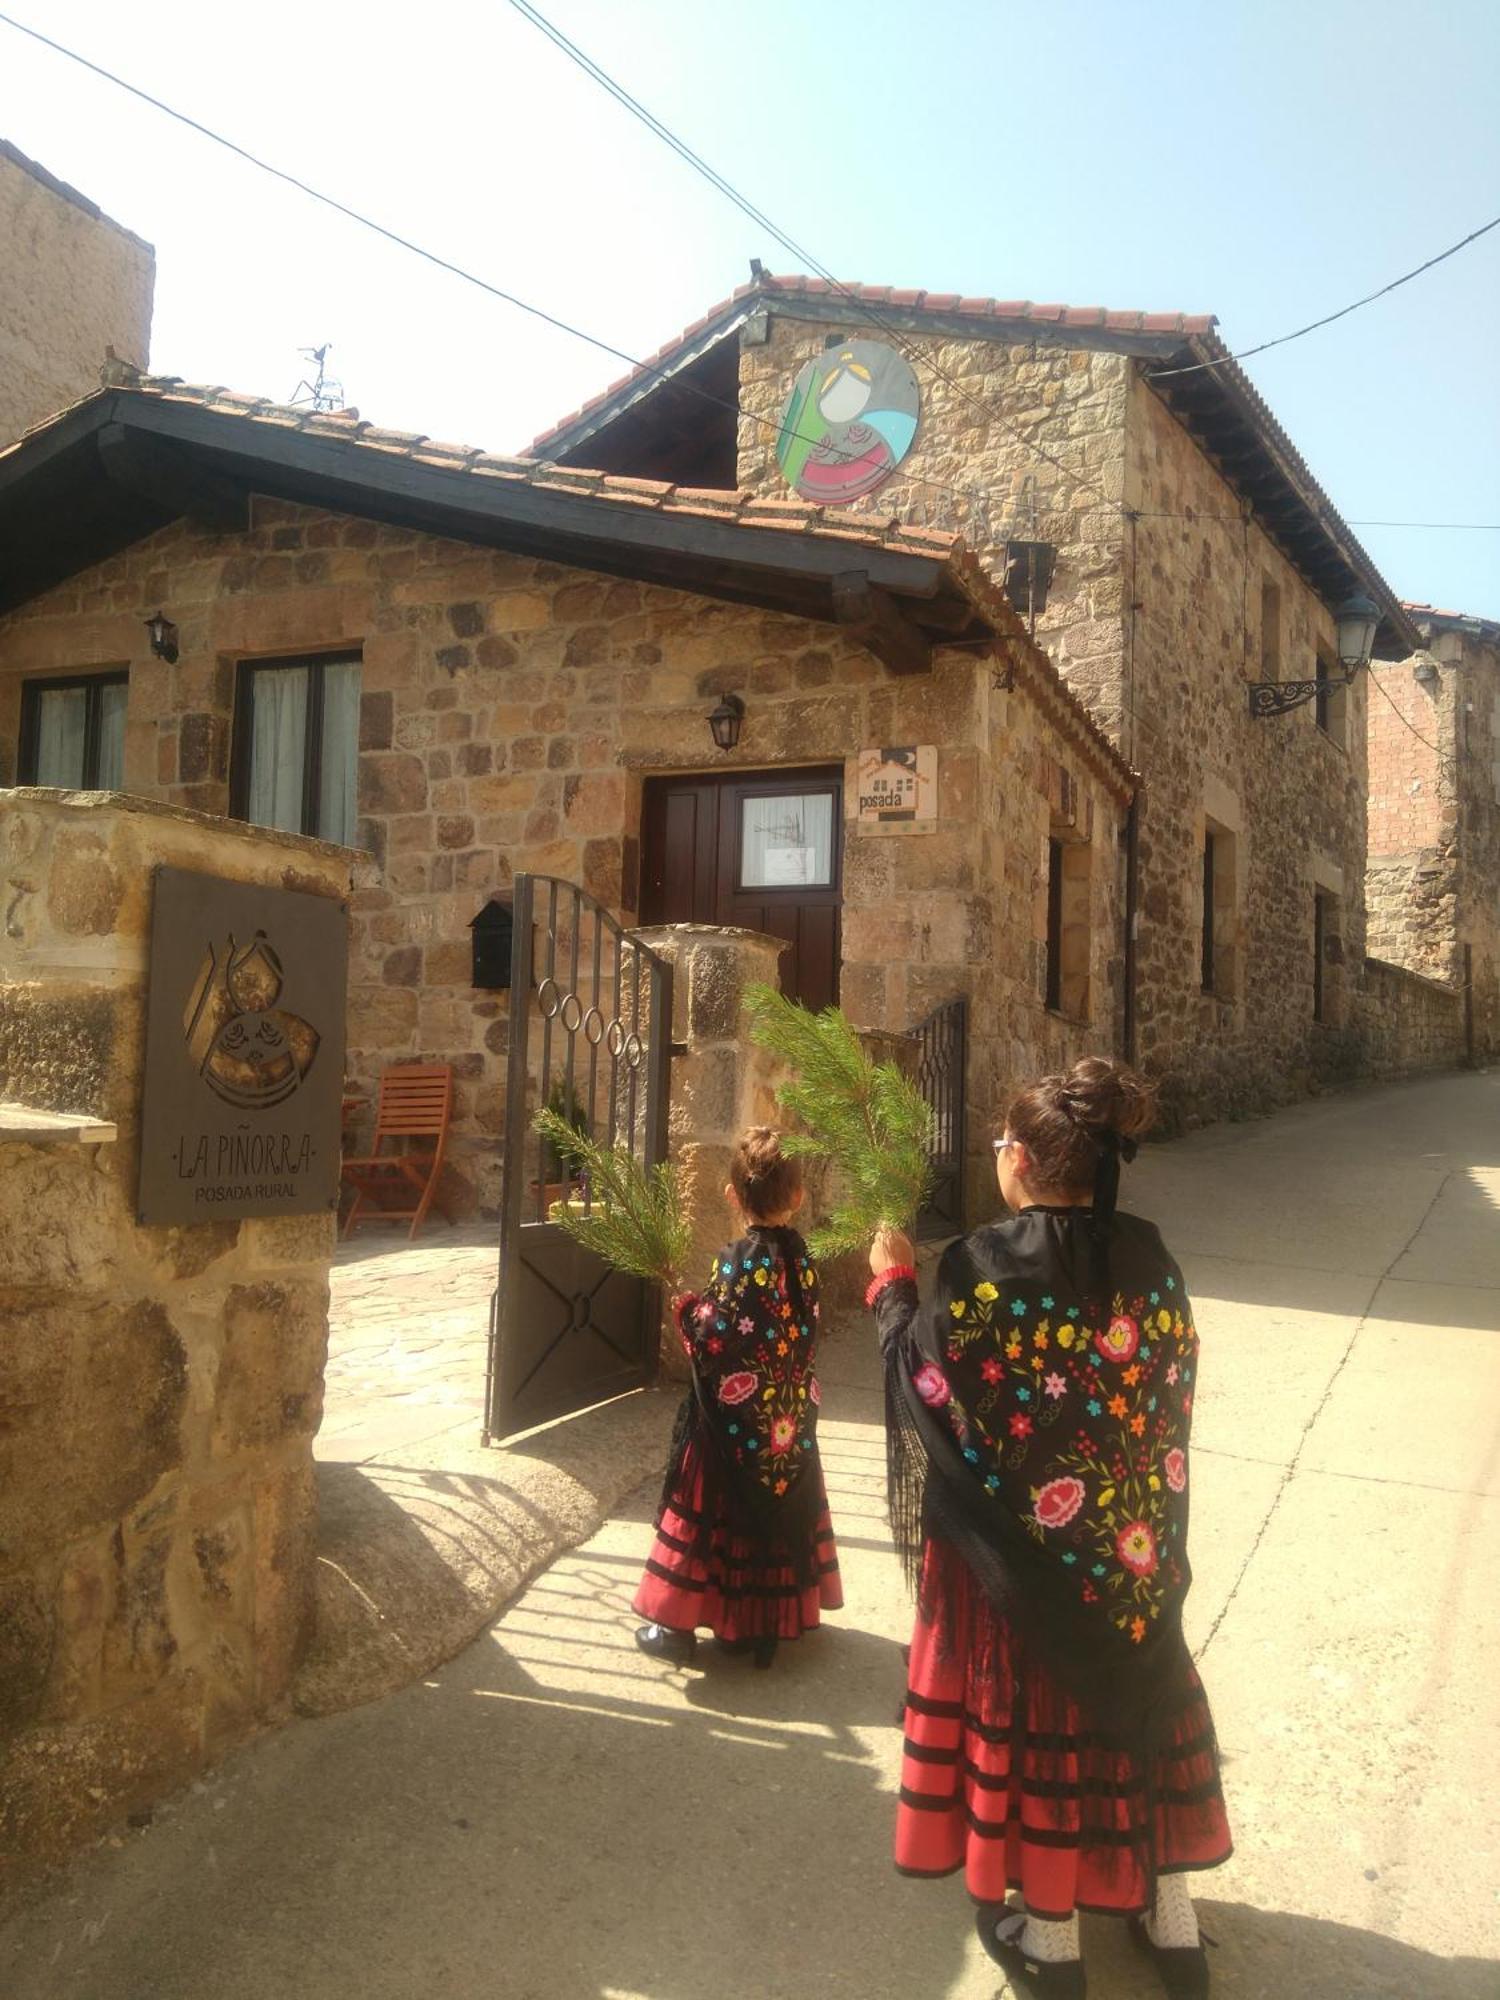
665	1642
763	1649
1182	1968
1061	1979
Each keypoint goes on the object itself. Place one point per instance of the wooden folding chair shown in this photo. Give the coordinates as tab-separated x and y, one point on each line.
416	1102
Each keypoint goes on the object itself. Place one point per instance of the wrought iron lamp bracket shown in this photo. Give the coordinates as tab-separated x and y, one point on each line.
1281	697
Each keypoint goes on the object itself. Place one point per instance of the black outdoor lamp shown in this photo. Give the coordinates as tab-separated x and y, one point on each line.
724	722
163	637
1357	620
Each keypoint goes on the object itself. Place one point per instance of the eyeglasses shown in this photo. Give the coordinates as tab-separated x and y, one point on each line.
1001	1144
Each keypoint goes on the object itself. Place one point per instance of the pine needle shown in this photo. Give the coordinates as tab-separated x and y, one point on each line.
635	1220
867	1119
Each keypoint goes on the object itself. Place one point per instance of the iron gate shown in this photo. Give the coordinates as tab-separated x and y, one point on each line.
590	1021
944	1042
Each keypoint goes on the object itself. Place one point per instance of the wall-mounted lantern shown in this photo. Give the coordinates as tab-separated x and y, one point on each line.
725	721
1357	620
163	637
491	931
1029	568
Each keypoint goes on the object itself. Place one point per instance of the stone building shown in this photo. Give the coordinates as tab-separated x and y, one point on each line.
1433	884
74	286
1190	553
469	666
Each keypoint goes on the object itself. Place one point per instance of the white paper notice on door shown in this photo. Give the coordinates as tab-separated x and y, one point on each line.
788	867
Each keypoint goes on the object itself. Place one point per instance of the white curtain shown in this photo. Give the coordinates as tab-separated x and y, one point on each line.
62	718
339	774
787	842
278	747
112	701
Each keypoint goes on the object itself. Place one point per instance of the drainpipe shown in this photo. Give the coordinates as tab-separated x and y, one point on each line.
1132	910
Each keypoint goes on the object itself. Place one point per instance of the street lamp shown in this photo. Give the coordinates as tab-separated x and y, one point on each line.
1357	620
163	637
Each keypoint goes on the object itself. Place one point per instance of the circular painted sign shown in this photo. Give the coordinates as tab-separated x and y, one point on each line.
849	422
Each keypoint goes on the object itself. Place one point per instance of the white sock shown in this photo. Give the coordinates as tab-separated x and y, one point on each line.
1040	1938
1172	1923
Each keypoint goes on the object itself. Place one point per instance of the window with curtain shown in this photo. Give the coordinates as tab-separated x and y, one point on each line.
786	841
296	739
73	732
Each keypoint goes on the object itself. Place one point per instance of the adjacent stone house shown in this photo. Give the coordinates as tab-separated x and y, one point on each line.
1191	553
1433	885
74	287
468	666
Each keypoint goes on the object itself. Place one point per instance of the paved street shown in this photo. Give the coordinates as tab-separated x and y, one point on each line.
549	1817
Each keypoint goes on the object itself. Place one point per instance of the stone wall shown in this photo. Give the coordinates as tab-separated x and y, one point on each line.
75	283
159	1387
512	710
1156	623
1407	1023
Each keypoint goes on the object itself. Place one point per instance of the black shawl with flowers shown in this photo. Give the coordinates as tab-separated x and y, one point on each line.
1041	1427
751	1335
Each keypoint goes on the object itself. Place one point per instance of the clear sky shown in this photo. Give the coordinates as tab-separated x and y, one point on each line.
1267	160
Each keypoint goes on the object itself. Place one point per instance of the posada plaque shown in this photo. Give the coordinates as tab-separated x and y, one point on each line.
244	1075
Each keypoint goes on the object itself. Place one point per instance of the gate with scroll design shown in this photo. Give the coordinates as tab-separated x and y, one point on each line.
590	1024
943	1039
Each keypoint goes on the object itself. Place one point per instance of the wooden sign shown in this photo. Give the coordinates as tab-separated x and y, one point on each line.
244	1076
898	787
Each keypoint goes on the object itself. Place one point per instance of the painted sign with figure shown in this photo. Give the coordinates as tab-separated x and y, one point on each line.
244	1051
898	787
849	422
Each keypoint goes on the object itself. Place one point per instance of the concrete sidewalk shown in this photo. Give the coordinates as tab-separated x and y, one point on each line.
549	1817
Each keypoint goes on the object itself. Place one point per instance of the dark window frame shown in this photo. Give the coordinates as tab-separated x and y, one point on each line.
1209	983
1053	995
1320	944
749	794
31	720
312	753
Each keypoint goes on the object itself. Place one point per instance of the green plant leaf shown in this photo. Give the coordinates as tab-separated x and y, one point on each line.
867	1119
636	1219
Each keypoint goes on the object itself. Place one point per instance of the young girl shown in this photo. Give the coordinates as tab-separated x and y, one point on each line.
743	1540
1058	1740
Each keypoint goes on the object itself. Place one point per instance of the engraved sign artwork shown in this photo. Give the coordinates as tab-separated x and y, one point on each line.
244	1051
898	787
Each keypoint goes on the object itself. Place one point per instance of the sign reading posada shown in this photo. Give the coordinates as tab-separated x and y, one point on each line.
898	787
244	1051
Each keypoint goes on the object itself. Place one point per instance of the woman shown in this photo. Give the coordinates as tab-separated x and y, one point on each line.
1058	1740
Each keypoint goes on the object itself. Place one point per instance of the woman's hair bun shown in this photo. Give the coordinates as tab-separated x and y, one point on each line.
1108	1097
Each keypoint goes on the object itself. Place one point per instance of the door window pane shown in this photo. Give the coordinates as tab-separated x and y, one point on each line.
787	842
112	702
339	773
61	733
278	747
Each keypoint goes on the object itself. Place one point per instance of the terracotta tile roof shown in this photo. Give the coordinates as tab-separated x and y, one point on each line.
1470	621
1021	311
774	515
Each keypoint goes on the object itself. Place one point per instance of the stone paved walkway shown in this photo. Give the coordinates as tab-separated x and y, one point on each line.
408	1338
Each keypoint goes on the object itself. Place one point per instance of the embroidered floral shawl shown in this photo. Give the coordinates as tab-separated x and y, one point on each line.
1042	1427
751	1335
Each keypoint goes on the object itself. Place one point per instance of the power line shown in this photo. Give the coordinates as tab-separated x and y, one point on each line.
968	495
1161	374
748	208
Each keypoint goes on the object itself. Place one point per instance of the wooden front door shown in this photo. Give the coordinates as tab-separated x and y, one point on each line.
759	849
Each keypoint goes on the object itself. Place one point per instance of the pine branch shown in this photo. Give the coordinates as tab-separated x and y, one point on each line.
636	1219
868	1119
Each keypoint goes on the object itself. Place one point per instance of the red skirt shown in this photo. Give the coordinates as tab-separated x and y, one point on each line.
732	1589
1017	1822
